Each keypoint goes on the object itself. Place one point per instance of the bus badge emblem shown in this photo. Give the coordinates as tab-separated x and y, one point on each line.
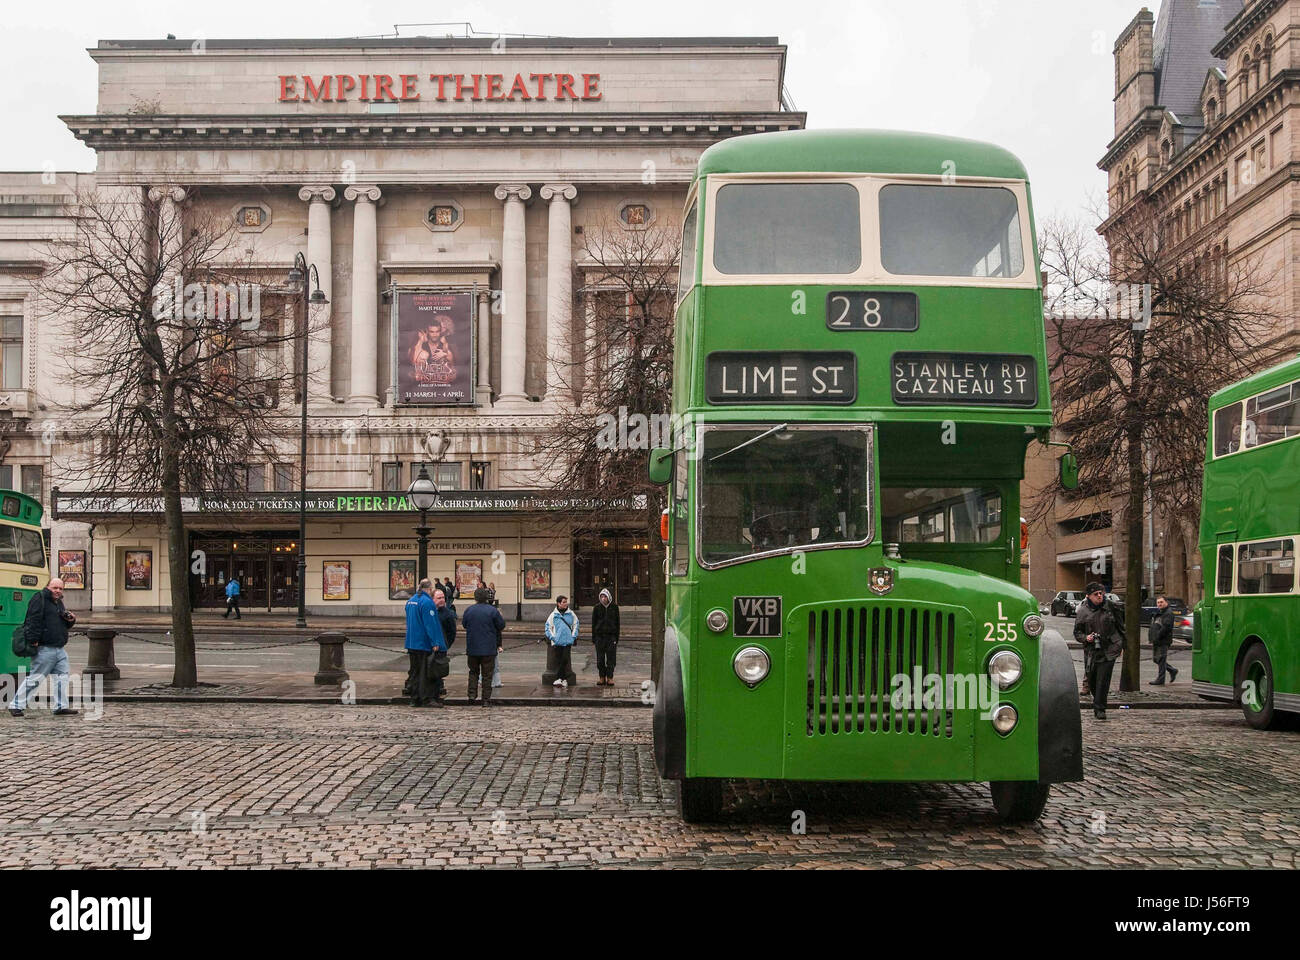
881	580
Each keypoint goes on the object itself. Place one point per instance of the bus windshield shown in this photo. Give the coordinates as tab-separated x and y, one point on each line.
22	546
795	487
928	230
787	228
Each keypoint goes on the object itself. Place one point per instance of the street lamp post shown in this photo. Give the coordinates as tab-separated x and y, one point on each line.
301	273
424	494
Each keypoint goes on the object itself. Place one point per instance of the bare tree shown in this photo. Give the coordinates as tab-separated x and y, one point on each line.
601	446
1142	329
174	348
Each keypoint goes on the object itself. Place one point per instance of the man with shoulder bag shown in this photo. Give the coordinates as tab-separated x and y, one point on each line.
1098	623
45	635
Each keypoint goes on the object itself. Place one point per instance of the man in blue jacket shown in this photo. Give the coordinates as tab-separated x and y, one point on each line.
423	638
232	599
483	624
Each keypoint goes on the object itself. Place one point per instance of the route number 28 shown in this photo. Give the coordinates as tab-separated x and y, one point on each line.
1002	629
871	316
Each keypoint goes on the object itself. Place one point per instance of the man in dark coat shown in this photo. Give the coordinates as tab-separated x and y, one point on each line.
483	624
1098	623
447	618
46	626
604	632
1162	635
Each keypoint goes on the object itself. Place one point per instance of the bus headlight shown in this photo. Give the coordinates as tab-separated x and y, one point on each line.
1004	718
1033	625
1005	668
717	620
752	665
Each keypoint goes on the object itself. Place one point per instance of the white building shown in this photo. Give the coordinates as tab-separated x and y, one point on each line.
440	165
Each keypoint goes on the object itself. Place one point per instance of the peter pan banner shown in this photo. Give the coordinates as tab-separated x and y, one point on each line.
344	502
435	343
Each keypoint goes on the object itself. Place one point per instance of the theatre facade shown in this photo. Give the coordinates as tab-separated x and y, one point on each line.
442	189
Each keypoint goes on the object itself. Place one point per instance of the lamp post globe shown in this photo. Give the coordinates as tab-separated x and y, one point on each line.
423	494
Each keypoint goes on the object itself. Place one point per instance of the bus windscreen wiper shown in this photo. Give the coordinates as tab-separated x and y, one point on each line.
766	433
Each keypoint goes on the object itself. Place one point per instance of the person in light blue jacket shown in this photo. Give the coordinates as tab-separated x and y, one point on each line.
423	639
562	632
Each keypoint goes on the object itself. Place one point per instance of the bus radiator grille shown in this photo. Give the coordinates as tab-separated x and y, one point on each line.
855	655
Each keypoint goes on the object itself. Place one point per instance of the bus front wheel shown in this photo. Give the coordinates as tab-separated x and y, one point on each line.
1255	684
699	800
1019	801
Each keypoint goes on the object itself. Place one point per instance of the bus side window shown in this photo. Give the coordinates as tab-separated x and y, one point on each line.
680	515
1224	586
1227	430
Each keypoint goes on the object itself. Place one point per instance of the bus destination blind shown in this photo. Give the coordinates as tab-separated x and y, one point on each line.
979	379
781	376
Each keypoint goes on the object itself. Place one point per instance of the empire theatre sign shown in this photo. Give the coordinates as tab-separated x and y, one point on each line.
444	87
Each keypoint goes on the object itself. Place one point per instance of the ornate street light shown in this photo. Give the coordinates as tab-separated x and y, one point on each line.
424	494
301	275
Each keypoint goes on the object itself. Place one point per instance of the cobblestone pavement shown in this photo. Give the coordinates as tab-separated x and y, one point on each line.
232	785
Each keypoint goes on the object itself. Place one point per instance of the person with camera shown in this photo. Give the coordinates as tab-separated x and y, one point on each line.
46	627
1099	626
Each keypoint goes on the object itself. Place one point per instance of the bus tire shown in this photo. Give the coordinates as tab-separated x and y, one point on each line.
668	719
1257	668
1019	801
699	800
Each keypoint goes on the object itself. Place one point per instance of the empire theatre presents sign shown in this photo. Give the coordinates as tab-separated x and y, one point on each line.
435	343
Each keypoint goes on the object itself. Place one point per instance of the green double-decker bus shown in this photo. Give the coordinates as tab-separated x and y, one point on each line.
1246	632
23	568
859	369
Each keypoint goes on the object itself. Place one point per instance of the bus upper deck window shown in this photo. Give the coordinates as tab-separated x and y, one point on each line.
787	228
11	506
1227	430
927	230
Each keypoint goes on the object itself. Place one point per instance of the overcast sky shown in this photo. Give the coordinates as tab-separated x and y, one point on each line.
1035	76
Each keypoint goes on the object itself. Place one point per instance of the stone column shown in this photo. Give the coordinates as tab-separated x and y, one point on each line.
560	370
590	346
483	391
171	238
514	292
170	228
319	344
365	295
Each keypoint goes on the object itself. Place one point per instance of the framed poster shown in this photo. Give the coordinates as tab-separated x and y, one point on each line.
435	348
336	580
468	574
401	579
537	579
72	569
139	569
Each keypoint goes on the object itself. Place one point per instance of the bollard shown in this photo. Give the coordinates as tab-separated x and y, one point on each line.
553	668
331	659
100	659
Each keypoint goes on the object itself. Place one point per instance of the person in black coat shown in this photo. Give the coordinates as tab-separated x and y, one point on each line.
604	632
1099	624
446	617
1162	635
483	624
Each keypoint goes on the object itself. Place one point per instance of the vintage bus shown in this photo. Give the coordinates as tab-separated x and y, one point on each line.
23	568
1246	632
859	368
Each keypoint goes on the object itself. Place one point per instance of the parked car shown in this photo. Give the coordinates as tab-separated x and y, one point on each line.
1065	603
1183	626
1177	604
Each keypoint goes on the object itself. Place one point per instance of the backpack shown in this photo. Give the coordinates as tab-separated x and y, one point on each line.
22	647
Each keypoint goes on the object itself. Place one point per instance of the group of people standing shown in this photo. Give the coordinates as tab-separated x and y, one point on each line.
561	632
431	625
1099	627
